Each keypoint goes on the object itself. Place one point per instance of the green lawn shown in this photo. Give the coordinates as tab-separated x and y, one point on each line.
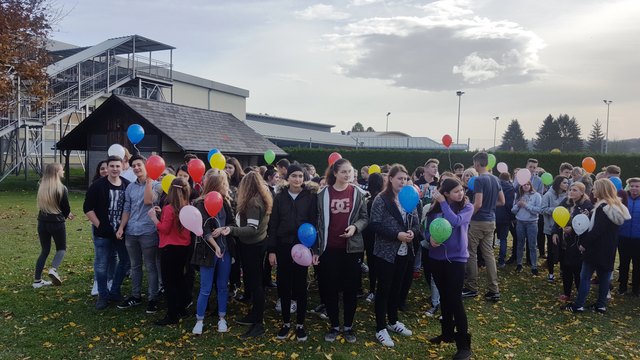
60	322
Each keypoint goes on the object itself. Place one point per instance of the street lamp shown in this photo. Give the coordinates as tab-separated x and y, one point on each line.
459	93
388	121
606	136
495	128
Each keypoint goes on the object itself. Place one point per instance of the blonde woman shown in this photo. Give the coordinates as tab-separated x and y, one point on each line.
53	206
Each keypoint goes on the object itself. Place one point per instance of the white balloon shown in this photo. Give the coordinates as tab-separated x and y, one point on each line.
116	150
502	167
523	176
580	224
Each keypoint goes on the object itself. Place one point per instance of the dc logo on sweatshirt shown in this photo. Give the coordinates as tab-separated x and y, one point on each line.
340	206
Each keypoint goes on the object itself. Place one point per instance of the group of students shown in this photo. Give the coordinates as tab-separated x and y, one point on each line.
134	223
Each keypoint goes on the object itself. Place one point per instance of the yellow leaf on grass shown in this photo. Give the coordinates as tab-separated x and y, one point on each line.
72	324
328	356
97	338
354	353
90	346
595	330
369	343
294	356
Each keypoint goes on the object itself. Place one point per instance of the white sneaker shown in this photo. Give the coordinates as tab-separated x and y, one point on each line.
370	298
55	278
399	328
384	338
364	268
41	283
294	306
222	326
278	305
197	329
109	283
94	289
609	295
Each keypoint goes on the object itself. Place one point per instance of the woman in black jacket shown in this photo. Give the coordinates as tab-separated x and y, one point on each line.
294	205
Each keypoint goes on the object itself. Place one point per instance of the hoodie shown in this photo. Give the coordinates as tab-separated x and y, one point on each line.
528	213
550	201
601	241
456	247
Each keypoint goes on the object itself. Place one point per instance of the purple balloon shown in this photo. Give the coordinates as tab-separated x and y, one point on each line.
301	255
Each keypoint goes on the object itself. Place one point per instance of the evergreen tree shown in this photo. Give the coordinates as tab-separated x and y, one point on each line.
357	127
513	138
370	129
570	134
548	135
596	138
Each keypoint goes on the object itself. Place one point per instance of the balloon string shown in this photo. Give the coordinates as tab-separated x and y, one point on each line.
449	153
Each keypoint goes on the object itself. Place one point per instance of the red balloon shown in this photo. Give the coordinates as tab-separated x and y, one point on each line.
155	166
196	169
447	140
334	157
213	203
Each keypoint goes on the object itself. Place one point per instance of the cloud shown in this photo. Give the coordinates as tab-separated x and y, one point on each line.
321	12
445	47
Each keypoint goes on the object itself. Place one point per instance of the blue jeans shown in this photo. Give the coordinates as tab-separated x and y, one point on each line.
502	230
530	231
604	277
104	247
144	247
221	269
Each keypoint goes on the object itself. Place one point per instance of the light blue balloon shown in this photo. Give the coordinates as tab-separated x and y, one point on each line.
408	198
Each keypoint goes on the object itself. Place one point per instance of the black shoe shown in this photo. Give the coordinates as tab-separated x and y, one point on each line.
349	335
244	299
463	344
271	285
519	268
130	302
599	309
492	296
152	307
102	304
510	260
622	292
254	331
442	339
534	272
467	293
166	321
247	320
331	335
572	307
283	333
301	335
184	313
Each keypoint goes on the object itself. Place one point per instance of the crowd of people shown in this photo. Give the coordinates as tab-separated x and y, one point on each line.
362	228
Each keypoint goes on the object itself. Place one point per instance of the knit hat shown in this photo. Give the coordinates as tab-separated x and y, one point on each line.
293	168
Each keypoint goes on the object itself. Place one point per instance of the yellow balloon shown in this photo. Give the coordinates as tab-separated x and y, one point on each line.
218	161
166	182
561	216
374	169
555	151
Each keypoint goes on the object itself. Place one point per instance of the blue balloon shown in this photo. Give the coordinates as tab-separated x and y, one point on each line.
135	133
616	182
472	183
211	152
307	234
409	198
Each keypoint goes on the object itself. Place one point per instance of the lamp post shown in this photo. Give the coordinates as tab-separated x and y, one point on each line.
387	130
606	136
459	93
495	129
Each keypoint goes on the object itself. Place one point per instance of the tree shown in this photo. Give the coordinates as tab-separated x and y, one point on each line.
357	127
596	138
548	135
570	134
513	139
370	129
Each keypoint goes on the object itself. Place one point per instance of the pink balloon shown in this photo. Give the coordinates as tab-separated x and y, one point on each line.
191	219
502	167
523	176
301	255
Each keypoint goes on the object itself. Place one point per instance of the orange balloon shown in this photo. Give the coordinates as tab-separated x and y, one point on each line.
589	164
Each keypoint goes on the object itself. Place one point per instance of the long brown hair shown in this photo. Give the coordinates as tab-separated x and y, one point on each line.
238	174
216	180
250	187
178	197
447	186
388	189
330	175
50	190
521	191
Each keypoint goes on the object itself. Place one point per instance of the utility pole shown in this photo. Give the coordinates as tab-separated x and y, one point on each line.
606	136
459	93
495	129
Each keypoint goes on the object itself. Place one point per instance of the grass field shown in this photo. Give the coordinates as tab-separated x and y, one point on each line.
61	323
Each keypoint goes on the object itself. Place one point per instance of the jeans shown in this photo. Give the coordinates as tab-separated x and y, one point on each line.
46	231
502	229
104	248
221	269
528	230
481	234
144	247
585	284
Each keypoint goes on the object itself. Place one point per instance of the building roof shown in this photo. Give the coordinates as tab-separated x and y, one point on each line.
290	122
192	129
379	133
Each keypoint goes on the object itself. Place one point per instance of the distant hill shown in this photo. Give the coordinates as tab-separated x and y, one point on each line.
625	146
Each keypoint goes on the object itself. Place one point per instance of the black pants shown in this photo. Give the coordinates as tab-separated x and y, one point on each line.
252	257
570	275
234	276
174	259
292	283
368	247
514	236
390	279
552	254
339	272
541	238
407	278
449	278
629	251
46	231
266	273
190	273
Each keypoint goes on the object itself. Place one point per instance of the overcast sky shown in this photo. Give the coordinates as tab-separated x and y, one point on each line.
340	62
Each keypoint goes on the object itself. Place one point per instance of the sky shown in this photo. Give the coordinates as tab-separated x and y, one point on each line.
342	62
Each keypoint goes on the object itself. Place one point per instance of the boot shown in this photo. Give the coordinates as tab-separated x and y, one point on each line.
463	343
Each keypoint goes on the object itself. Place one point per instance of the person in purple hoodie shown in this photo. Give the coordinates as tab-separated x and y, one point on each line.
448	261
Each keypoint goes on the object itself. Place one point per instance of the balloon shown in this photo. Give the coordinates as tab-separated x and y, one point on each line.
522	176
116	150
492	161
471	183
166	182
196	169
502	167
213	203
556	151
418	190
155	166
269	156
440	230
375	168
301	255
447	140
561	216
616	182
334	157
191	218
307	234
547	179
218	161
210	154
580	224
135	133
409	198
589	164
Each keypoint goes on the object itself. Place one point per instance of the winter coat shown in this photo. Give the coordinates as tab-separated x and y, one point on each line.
288	214
568	243
528	213
631	228
358	217
601	241
386	221
203	253
550	201
252	226
503	213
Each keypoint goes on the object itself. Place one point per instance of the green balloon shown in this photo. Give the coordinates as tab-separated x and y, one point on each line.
269	156
492	161
547	179
440	230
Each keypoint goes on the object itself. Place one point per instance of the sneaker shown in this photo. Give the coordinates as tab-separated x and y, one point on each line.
131	301
349	335
331	335
534	272
166	321
222	326
109	283
247	320
384	338
271	285
364	268
40	283
442	339
519	268
432	312
321	311
510	260
621	292
370	298
599	309
551	278
399	328
492	296
564	297
197	329
294	306
573	308
152	307
467	293
609	295
254	331
94	289
102	303
283	333
301	335
55	278
501	265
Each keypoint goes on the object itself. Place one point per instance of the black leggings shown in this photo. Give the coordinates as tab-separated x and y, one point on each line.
570	275
252	268
292	280
339	271
368	247
46	231
449	278
390	279
552	253
174	259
